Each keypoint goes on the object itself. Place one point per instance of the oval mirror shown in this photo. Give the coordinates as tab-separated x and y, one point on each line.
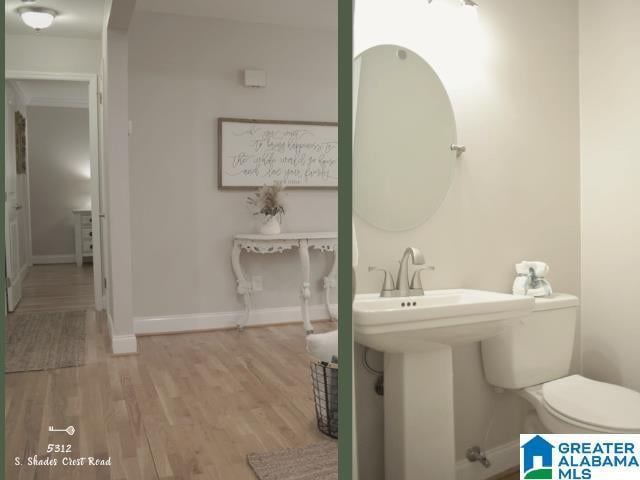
403	131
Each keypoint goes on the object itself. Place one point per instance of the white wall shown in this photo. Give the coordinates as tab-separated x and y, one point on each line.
184	73
515	194
118	205
610	102
51	54
59	176
115	218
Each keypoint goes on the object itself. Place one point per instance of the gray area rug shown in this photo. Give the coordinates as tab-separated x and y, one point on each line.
318	461
42	341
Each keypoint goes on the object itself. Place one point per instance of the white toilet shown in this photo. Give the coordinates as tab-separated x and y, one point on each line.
533	359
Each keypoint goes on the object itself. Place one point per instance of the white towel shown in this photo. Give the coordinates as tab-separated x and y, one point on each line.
521	284
541	269
518	289
323	346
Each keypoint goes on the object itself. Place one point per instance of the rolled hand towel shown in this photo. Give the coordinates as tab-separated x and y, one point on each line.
323	346
532	292
541	269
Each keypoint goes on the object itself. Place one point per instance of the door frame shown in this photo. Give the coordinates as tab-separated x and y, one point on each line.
92	81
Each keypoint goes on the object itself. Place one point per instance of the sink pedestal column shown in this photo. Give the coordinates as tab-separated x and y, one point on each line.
418	415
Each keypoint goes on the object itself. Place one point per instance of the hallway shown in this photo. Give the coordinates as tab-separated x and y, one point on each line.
49	288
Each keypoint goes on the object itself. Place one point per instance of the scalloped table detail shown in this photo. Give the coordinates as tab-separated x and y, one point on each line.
326	242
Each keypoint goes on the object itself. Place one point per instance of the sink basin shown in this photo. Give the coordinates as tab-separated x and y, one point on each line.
416	335
442	317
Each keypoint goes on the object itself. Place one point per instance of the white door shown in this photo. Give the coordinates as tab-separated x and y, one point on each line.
15	212
103	224
96	213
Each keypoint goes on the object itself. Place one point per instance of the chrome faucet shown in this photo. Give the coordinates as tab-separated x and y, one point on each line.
402	282
401	287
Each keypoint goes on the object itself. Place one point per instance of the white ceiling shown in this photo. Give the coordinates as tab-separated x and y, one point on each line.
302	13
53	93
76	18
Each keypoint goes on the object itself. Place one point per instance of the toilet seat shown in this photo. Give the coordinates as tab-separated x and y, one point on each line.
593	405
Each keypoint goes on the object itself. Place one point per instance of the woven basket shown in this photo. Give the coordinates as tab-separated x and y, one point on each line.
325	395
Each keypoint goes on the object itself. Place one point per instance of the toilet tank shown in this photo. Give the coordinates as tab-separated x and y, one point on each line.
539	349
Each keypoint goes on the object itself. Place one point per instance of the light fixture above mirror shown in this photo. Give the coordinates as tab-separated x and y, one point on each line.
464	3
37	18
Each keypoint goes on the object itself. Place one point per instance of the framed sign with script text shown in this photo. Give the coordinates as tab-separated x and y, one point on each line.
253	153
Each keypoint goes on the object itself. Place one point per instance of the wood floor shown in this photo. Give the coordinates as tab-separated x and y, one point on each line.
188	406
57	287
513	474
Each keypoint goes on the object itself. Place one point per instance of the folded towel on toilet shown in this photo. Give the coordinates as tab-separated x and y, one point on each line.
520	289
525	284
323	346
541	269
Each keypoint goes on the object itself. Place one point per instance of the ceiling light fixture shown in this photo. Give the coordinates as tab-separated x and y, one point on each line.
37	17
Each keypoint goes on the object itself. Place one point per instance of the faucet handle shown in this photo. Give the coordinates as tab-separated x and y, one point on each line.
387	284
416	280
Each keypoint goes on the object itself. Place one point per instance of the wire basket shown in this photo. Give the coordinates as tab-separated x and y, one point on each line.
325	395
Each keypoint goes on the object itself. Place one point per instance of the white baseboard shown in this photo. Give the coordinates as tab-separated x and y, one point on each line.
502	458
214	321
49	259
121	344
124	344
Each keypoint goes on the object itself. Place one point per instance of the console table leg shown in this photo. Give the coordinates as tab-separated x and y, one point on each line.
329	283
306	286
247	311
244	287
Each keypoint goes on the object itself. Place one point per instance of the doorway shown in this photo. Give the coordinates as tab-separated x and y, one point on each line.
54	241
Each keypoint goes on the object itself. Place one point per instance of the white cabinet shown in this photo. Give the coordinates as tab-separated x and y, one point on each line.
83	235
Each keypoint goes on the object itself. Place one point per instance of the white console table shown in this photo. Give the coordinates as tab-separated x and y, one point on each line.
264	244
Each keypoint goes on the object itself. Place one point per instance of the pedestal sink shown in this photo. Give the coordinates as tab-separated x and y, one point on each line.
416	335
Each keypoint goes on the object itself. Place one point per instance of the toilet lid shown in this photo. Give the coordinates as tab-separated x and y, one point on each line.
595	403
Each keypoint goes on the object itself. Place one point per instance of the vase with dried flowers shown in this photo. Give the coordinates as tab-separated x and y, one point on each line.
267	201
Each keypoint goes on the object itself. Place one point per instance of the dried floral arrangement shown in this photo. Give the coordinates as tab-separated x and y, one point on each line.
267	200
